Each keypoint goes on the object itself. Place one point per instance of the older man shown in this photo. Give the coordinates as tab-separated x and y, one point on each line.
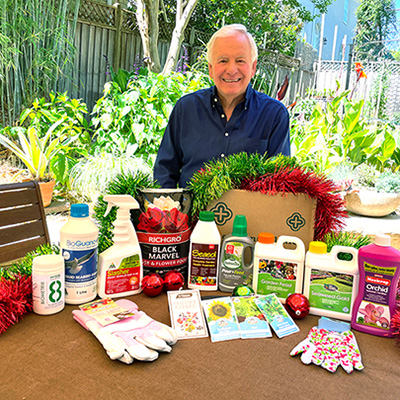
225	119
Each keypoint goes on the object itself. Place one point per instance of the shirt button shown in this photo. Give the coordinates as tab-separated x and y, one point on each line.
215	99
222	115
226	134
222	155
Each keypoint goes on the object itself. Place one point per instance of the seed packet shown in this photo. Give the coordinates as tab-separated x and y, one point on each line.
104	311
186	314
221	319
276	314
252	322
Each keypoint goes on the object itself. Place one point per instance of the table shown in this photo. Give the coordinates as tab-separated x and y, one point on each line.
53	357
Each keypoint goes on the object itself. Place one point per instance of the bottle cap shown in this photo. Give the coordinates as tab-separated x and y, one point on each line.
239	226
79	210
48	263
266	238
318	247
382	240
206	216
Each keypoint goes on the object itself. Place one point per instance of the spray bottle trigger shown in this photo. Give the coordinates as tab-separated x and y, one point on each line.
109	207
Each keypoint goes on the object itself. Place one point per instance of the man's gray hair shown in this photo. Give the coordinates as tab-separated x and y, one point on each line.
228	30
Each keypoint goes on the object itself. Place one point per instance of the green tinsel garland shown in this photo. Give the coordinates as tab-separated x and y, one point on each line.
219	176
23	266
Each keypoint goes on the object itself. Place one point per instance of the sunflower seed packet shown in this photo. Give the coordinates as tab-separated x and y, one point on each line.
221	319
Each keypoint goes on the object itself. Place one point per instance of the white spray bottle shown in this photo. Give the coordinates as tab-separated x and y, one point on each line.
120	269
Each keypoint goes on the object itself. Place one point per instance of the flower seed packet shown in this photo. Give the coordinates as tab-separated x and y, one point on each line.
221	319
104	311
276	314
252	322
186	314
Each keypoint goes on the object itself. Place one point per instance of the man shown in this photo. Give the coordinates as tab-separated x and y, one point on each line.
225	119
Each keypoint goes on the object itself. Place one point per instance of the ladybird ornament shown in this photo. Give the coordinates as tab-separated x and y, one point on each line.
152	285
297	305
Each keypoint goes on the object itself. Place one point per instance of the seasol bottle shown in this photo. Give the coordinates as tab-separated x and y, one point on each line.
234	268
78	245
205	242
379	265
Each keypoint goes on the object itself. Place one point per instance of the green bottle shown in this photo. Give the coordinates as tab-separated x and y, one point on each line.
236	263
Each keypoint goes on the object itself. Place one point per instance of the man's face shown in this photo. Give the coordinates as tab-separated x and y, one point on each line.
231	67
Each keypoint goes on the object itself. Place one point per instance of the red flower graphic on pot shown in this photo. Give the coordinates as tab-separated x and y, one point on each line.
151	220
166	220
175	221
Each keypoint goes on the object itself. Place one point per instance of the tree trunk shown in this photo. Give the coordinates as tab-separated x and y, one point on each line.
147	19
182	19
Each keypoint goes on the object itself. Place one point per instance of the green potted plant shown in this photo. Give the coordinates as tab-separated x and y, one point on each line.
35	152
52	136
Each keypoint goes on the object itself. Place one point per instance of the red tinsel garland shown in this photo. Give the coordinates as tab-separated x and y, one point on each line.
15	300
395	324
330	211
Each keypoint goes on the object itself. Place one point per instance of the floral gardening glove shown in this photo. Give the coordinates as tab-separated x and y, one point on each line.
312	347
349	353
330	349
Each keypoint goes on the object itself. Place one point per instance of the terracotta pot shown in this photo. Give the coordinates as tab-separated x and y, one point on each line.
46	189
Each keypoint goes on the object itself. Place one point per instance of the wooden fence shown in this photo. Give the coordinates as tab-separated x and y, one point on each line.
108	36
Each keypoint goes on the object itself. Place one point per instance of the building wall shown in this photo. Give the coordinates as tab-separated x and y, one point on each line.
335	16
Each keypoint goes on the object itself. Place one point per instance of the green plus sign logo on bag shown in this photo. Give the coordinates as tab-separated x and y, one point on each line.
222	213
295	222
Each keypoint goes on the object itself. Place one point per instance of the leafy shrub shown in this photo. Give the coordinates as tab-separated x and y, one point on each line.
91	176
388	182
135	110
365	175
53	135
340	133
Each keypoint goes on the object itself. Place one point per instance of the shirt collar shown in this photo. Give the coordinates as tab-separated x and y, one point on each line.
215	98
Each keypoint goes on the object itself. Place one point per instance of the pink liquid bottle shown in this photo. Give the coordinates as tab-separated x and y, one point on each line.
379	266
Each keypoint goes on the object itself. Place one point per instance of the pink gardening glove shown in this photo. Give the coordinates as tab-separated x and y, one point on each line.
135	337
153	334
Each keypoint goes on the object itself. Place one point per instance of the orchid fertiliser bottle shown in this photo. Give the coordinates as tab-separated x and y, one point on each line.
379	266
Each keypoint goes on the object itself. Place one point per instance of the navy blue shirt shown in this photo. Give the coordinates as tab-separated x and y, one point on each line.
198	131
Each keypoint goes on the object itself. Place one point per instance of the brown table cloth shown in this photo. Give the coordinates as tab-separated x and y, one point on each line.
53	357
